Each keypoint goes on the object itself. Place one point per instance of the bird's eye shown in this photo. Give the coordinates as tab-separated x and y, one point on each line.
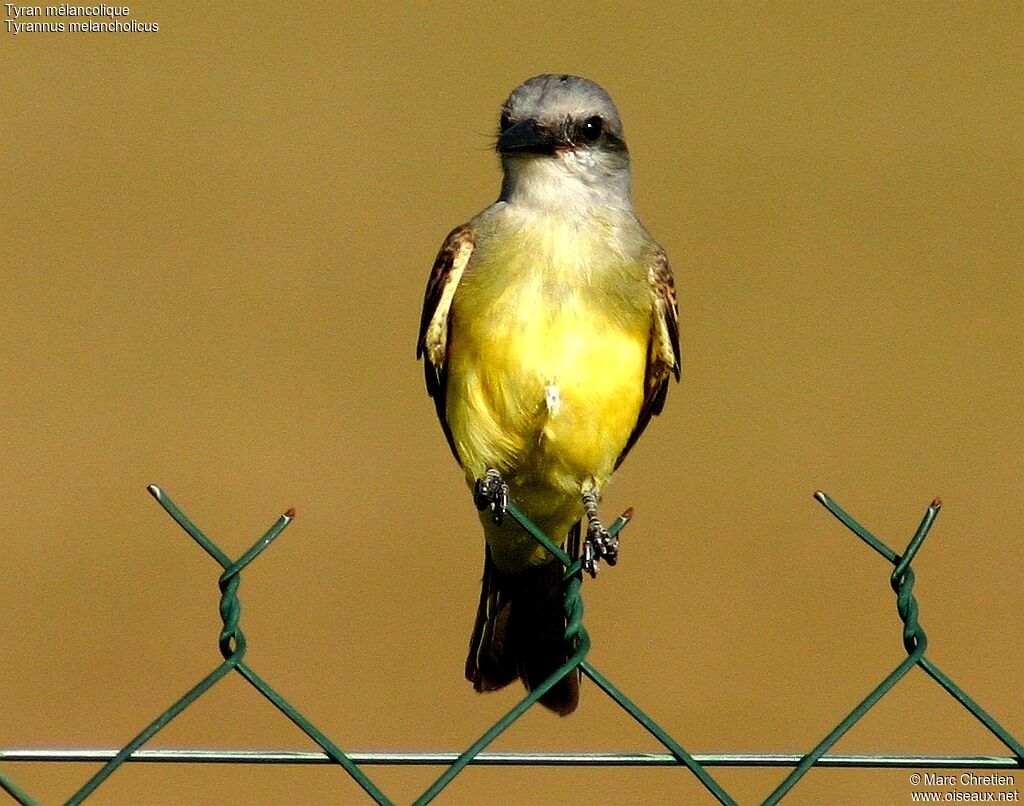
504	121
592	128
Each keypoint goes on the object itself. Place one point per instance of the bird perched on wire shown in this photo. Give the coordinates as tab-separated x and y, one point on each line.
549	334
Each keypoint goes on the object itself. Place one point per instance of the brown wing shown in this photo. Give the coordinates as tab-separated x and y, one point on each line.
663	348
432	345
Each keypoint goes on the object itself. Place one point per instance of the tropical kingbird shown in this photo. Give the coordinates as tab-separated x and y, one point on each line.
549	332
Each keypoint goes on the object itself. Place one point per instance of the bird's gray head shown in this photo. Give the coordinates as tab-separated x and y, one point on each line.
560	140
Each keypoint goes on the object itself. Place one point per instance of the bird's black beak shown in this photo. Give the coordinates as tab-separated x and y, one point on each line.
528	137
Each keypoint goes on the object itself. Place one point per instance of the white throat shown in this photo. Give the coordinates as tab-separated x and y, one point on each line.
572	181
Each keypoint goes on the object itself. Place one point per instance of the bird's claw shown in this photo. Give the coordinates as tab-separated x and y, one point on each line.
599	545
491	492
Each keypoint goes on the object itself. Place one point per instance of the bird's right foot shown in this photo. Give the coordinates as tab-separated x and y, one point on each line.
491	492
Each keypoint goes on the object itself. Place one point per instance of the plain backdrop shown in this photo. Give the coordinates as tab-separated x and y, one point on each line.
215	240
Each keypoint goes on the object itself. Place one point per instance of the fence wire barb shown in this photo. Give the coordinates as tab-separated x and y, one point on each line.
232	645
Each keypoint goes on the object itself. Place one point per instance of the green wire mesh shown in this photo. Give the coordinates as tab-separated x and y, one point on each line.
232	646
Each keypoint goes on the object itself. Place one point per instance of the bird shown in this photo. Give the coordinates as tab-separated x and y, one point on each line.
549	335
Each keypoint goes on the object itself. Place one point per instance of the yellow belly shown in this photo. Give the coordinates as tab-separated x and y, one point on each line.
545	384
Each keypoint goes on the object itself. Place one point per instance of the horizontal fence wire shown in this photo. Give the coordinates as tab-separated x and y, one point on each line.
516	759
232	645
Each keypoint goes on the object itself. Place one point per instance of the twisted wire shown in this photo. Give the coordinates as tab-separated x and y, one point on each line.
232	646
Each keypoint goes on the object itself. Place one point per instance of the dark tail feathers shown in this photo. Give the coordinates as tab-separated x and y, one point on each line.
520	632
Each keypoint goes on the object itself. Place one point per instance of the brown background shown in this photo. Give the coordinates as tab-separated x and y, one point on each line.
215	240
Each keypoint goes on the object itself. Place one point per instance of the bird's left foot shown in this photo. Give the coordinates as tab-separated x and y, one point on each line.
599	544
491	492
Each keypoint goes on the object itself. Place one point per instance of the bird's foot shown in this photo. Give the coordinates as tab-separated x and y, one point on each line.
491	492
599	544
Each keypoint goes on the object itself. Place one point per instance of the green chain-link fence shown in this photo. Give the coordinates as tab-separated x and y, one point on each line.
233	649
